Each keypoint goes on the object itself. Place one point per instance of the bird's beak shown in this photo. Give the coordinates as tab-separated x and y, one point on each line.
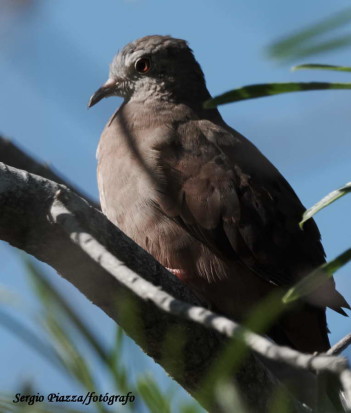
107	89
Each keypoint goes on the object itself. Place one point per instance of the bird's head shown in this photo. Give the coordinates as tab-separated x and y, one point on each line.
154	67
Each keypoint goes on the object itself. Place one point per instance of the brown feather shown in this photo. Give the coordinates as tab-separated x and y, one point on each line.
204	201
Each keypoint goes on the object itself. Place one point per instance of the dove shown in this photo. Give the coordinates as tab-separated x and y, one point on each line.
201	198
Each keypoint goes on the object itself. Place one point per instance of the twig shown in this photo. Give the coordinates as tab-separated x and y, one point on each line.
340	346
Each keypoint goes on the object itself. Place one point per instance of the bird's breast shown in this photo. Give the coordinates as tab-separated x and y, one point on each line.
130	187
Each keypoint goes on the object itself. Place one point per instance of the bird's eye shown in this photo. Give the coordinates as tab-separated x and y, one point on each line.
143	65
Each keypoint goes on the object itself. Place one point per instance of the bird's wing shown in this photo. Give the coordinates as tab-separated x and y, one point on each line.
232	199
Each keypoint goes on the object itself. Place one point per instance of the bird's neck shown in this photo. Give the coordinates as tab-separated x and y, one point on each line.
156	111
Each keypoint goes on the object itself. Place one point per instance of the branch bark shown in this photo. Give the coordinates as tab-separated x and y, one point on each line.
63	212
340	346
44	218
12	155
26	205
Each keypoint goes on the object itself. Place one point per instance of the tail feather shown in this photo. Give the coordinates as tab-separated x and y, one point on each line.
340	310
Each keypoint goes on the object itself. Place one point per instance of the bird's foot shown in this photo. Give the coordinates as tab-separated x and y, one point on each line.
179	273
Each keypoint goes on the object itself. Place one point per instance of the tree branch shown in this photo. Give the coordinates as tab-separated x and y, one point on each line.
63	212
26	204
340	345
11	155
136	273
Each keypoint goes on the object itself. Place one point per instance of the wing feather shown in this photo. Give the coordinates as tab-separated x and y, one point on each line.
237	203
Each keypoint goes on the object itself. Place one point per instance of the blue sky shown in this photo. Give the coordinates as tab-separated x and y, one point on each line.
54	55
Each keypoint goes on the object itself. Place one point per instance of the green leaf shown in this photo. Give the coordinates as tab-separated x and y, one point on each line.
116	368
306	41
48	293
323	47
151	394
228	397
322	67
280	402
30	338
72	360
190	408
317	277
172	350
58	319
270	89
259	320
327	200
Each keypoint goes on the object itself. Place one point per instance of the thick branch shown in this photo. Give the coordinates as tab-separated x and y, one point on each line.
63	212
25	203
11	155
